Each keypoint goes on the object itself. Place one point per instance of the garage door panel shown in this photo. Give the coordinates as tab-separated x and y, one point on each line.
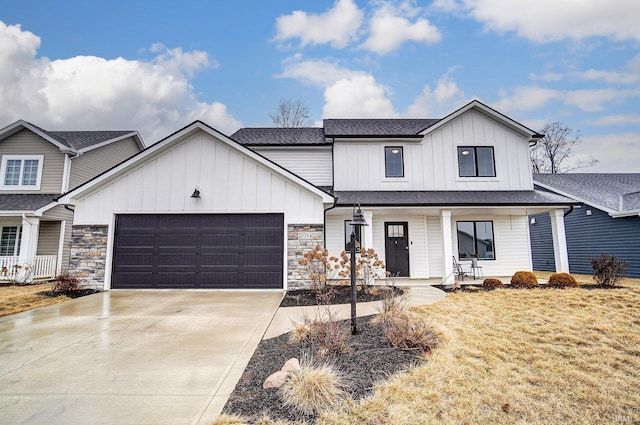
199	251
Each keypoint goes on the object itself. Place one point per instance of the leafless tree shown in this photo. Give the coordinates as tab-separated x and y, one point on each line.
550	154
291	113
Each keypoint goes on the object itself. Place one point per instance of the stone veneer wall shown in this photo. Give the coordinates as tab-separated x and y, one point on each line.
301	238
88	254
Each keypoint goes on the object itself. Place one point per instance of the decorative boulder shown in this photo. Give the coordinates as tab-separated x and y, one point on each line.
277	379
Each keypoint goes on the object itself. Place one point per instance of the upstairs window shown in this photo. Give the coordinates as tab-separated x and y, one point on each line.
21	172
476	161
393	161
348	228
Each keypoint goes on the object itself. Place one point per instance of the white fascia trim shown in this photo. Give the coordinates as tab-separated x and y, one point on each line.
133	134
486	110
181	135
21	124
625	214
44	209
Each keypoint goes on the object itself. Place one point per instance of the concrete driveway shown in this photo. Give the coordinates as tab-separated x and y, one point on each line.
129	357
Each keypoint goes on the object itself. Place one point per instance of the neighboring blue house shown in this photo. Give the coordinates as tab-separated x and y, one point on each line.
607	223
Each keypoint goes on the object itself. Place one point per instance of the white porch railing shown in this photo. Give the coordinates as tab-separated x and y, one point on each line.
42	267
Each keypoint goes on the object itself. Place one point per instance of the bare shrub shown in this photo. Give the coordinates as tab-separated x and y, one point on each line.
66	283
563	280
328	336
492	283
608	270
407	331
314	388
524	279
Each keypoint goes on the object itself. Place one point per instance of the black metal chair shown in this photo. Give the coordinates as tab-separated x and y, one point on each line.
458	270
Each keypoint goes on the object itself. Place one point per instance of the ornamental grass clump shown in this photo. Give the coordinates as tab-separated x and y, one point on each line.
524	279
492	283
562	280
314	388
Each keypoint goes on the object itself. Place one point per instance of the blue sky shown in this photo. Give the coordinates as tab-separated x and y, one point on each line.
155	66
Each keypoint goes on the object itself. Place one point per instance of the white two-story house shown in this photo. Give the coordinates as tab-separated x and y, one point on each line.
201	209
37	166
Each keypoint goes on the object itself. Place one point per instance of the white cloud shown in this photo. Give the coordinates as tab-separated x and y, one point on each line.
337	27
390	27
547	76
594	100
443	99
623	119
629	74
525	98
315	71
552	20
617	153
357	97
92	93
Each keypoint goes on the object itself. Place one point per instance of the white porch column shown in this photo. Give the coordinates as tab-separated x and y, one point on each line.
367	240
29	239
447	246
559	241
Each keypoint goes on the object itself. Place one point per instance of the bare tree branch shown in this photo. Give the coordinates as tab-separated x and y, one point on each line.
551	153
291	113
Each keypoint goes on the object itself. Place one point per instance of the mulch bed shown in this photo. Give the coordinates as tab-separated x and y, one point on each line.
371	360
71	294
480	288
337	294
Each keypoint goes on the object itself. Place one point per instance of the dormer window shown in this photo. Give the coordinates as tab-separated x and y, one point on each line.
21	172
393	161
476	161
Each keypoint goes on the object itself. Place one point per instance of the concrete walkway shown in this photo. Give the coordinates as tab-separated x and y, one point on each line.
141	357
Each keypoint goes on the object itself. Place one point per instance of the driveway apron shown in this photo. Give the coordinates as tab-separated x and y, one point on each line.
129	357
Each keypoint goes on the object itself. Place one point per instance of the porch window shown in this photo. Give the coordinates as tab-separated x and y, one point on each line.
475	239
348	228
476	161
10	240
393	161
21	172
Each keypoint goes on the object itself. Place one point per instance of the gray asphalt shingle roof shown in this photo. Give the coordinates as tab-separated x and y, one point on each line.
618	192
376	127
79	140
451	198
280	136
25	202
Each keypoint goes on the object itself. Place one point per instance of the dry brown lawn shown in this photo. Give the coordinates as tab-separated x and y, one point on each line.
14	299
541	356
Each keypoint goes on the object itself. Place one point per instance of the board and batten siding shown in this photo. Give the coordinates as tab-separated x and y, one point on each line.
432	163
589	236
25	142
313	164
88	165
228	180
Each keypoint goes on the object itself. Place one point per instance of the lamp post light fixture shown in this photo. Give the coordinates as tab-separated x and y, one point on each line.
357	220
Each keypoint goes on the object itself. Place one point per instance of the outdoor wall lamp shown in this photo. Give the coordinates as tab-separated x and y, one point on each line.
357	220
196	193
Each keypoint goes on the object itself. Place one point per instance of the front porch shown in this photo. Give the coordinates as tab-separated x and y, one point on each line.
14	268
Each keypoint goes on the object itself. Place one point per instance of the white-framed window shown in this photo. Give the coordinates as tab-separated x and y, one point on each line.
475	239
23	172
10	240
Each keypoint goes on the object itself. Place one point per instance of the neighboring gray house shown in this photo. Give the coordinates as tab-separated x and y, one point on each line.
200	209
607	223
37	166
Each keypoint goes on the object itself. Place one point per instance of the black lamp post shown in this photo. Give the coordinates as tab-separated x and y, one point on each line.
357	220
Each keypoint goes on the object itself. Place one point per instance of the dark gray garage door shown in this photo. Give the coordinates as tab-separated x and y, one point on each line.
198	251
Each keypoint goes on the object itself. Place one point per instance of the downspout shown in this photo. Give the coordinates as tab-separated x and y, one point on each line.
324	233
568	211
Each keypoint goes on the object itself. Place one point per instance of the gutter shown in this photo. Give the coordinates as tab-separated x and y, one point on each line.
569	211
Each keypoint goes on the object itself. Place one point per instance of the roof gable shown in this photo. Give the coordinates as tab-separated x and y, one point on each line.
491	113
72	141
174	139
